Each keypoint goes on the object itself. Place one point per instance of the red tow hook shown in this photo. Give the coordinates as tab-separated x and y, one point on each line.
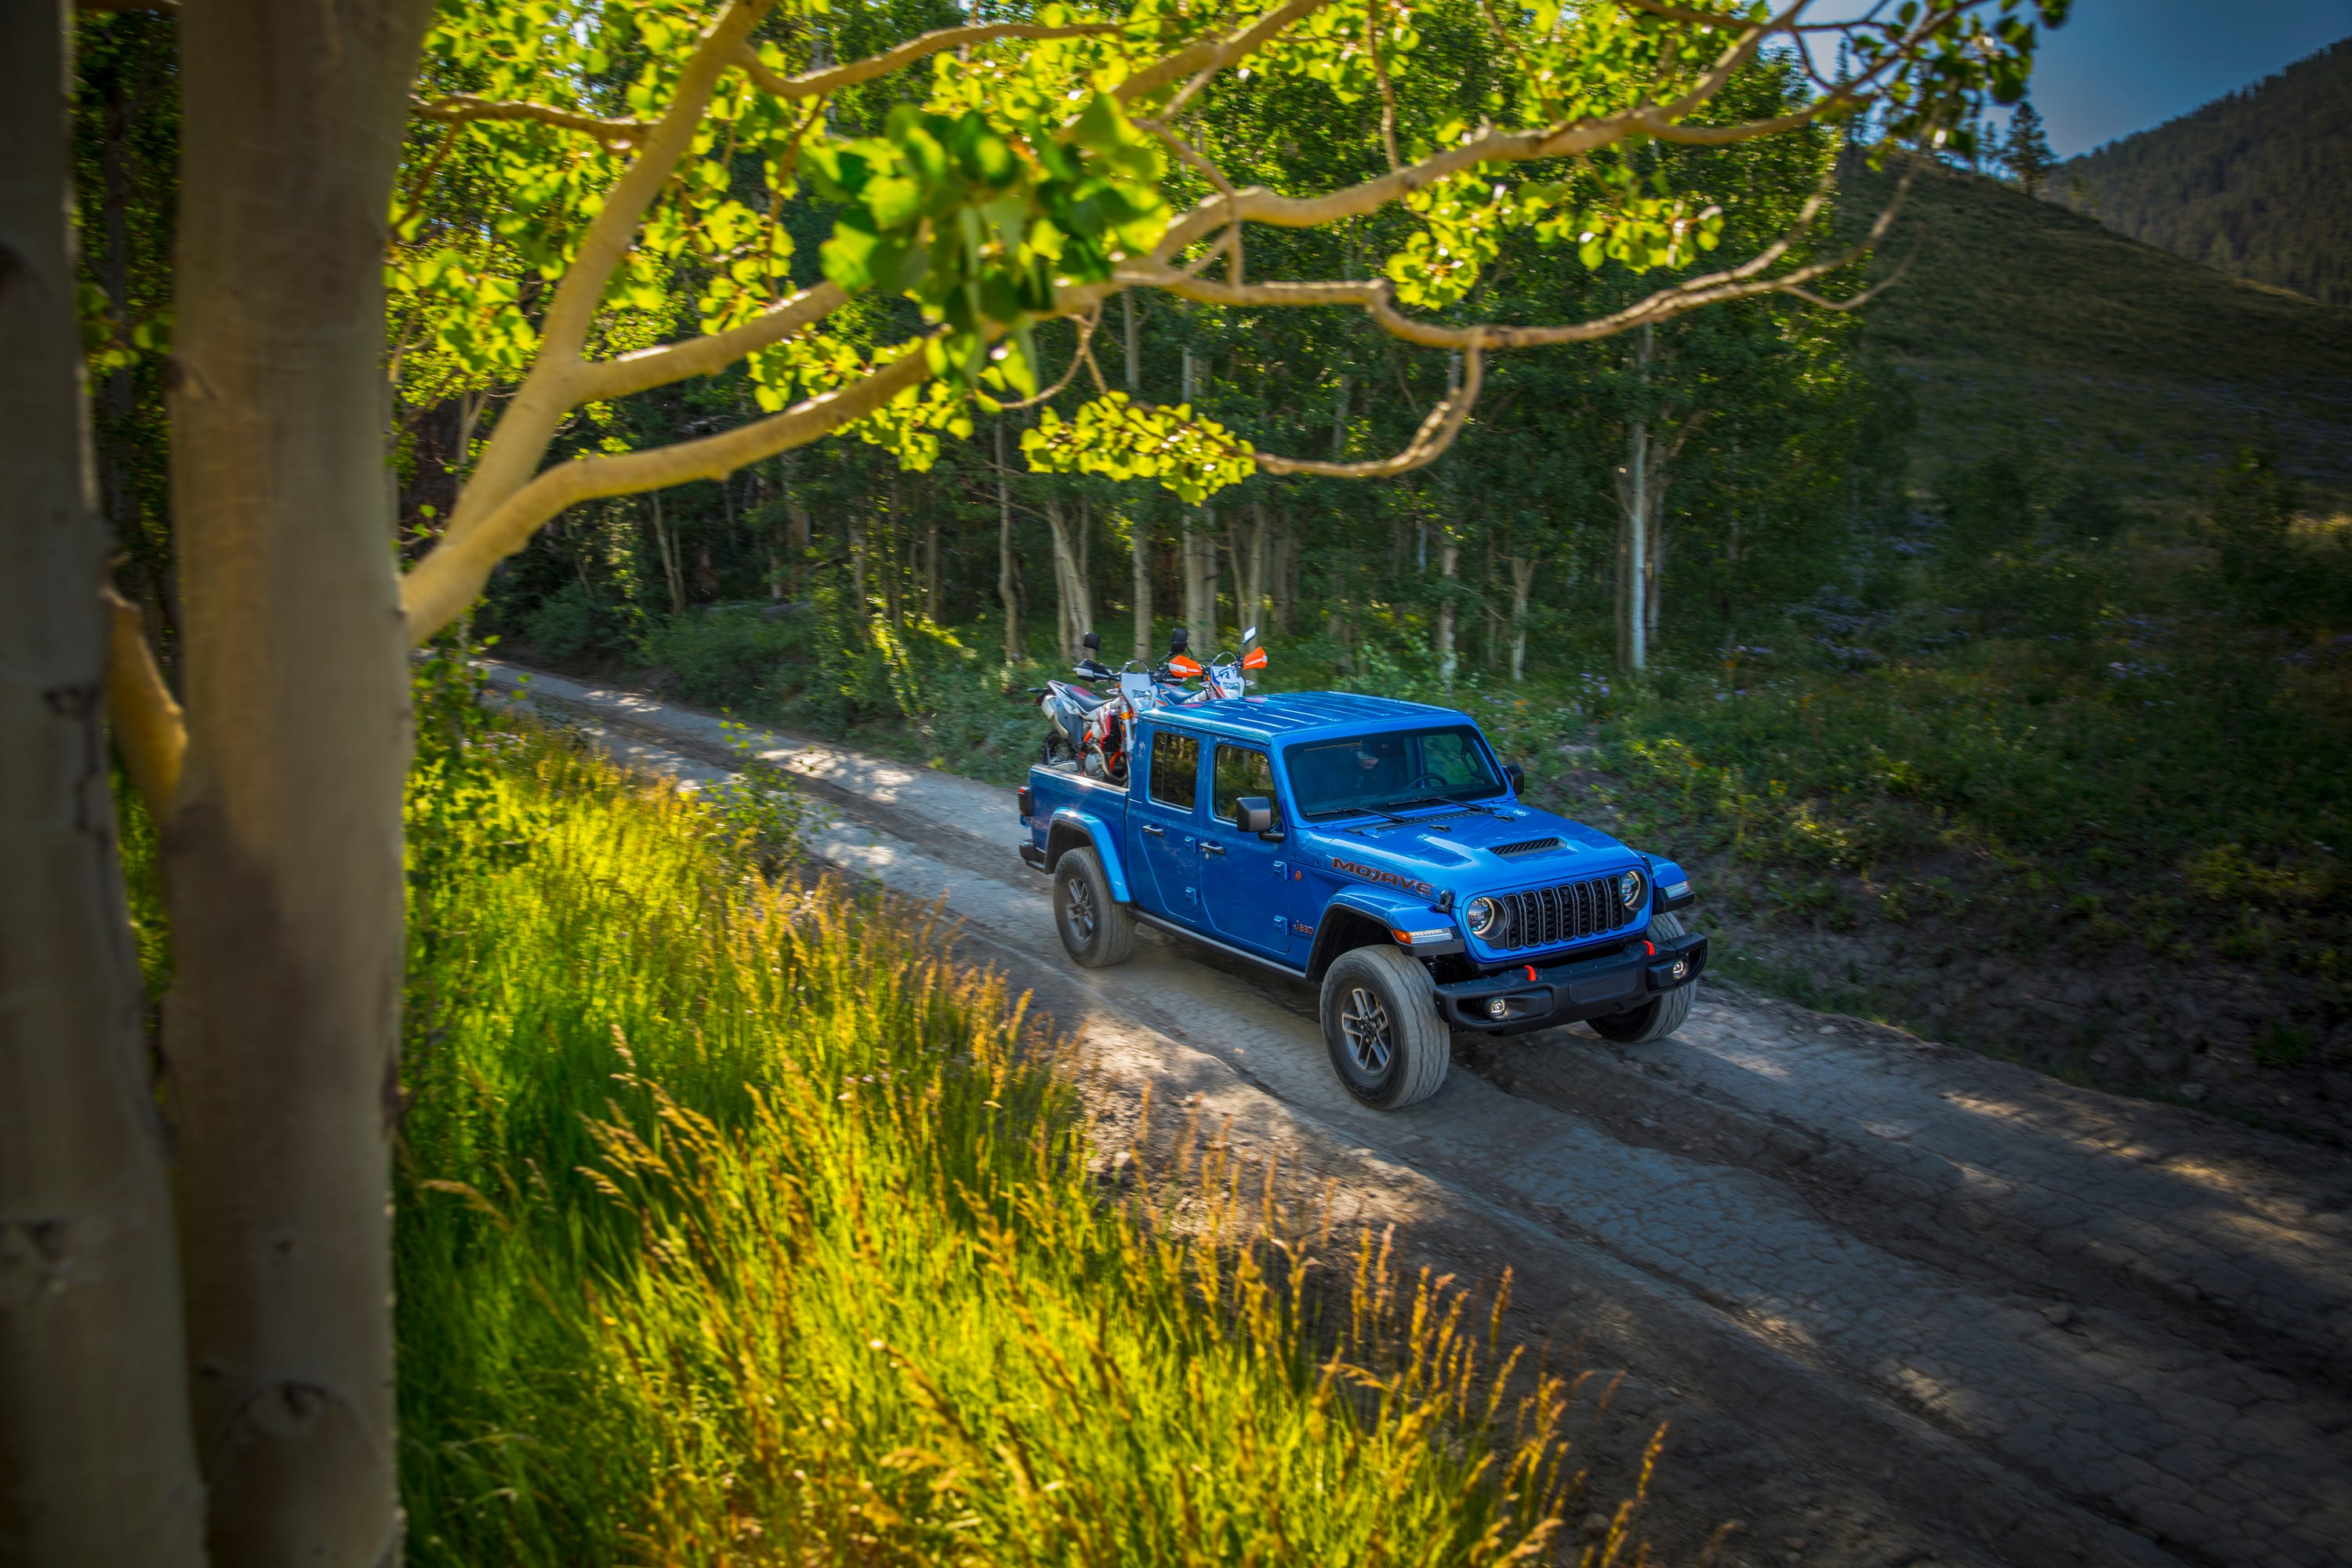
1653	947
1531	974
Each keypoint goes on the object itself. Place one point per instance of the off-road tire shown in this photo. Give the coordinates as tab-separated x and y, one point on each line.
1663	1013
1380	1024
1096	929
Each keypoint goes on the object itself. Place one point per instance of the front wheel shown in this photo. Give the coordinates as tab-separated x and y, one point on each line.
1663	1013
1380	1024
1096	929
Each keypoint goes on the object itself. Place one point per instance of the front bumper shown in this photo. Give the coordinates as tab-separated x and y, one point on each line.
1541	997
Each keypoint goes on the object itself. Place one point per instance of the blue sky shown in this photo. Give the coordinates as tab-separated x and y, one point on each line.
2121	65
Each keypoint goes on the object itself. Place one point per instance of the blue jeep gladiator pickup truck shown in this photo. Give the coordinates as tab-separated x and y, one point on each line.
1377	849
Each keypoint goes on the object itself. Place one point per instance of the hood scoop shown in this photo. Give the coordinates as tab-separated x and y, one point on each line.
1527	847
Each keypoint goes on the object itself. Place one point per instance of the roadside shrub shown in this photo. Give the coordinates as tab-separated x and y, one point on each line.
572	624
730	656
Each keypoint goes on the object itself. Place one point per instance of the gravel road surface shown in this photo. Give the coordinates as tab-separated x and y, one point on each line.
1902	1304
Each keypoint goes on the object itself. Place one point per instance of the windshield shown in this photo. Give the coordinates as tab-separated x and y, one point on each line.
1383	772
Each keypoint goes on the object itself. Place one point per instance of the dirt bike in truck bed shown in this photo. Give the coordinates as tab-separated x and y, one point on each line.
1378	851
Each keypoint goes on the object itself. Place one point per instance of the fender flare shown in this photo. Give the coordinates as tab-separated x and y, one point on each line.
1665	874
1071	827
1352	908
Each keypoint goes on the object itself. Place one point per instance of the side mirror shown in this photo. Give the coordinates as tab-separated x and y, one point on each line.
1091	642
1179	640
1518	776
1255	814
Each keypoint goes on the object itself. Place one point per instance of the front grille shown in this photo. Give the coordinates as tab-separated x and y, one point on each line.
1548	916
1527	847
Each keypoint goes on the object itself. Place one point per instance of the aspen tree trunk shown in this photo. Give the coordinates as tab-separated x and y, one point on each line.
1523	582
1248	549
1139	545
1654	557
1633	499
1134	365
283	852
1007	589
1076	611
797	536
1140	534
857	526
1449	556
1281	591
895	537
671	576
1200	544
931	607
1200	577
98	1463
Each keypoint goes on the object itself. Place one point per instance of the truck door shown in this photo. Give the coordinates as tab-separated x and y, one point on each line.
1161	817
1245	880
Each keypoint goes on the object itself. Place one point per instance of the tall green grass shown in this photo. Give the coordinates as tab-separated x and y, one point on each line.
739	1224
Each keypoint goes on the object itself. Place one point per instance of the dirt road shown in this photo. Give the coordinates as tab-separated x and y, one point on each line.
1901	1303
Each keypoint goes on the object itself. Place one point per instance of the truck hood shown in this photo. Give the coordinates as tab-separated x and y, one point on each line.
1471	851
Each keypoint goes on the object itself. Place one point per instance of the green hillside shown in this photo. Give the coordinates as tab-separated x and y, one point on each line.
2024	325
2258	184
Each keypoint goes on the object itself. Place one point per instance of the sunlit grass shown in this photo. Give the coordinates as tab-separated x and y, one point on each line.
739	1224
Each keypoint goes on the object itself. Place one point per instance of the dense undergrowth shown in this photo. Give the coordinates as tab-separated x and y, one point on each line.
739	1224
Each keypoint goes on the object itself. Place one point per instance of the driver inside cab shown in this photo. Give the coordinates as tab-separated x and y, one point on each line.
1380	766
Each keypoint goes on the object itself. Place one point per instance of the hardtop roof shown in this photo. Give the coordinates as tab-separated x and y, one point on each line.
1286	716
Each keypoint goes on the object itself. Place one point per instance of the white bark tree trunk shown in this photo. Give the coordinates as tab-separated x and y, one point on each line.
1523	582
1075	608
1633	499
1140	564
1449	557
283	854
1007	589
1200	578
96	1461
1250	550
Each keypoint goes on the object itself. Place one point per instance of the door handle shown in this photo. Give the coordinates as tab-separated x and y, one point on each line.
1154	829
1209	849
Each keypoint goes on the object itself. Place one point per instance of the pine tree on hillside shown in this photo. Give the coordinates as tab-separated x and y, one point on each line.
2252	184
2026	154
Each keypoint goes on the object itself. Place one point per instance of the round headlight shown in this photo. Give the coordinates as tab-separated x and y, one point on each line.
1629	888
1481	915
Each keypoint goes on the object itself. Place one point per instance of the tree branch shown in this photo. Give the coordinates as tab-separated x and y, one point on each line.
148	728
815	83
604	380
459	108
548	392
1211	54
1255	204
1429	443
1377	296
448	579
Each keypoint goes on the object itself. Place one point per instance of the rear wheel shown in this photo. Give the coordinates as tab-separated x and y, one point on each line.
1663	1013
1380	1024
1096	929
